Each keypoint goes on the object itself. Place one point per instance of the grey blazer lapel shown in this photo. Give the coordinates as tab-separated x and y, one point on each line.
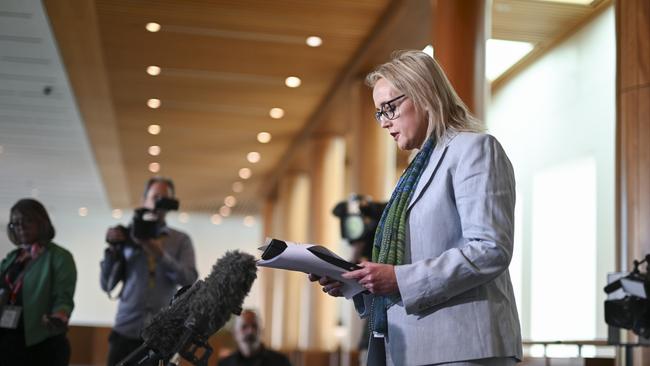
434	161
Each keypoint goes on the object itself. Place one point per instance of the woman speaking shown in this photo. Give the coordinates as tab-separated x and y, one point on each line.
439	287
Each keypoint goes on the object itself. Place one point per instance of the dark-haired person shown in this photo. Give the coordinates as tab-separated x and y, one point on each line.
153	270
38	283
440	289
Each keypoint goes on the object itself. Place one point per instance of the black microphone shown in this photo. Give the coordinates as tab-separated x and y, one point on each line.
185	326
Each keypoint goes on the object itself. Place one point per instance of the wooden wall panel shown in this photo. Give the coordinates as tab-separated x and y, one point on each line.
461	50
642	244
643	43
626	24
633	129
89	345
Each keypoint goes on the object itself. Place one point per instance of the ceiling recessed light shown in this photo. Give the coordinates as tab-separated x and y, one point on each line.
83	211
183	217
245	173
153	103
230	201
249	221
276	113
153	70
292	81
152	27
224	211
215	219
253	157
314	41
154	167
153	129
117	213
154	150
264	137
238	187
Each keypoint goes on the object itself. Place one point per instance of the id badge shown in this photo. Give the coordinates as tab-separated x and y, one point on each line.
10	316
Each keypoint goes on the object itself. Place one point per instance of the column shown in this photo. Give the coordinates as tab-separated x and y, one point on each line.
265	275
295	192
633	137
460	29
290	223
327	177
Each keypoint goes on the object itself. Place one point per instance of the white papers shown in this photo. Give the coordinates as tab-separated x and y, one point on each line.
309	258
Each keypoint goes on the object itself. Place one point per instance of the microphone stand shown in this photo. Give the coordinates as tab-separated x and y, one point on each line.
141	356
190	345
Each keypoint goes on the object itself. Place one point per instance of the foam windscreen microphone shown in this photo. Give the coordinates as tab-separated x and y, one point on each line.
198	312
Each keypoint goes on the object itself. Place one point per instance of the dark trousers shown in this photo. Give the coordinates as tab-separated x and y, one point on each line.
53	351
376	352
120	346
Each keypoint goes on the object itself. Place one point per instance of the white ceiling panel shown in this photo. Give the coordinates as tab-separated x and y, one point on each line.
45	152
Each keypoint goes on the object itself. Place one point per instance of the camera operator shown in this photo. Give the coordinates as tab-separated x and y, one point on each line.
151	267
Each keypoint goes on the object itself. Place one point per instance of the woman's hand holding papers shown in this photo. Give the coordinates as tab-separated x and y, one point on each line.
377	278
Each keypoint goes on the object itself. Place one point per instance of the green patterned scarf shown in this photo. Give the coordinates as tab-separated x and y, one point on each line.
390	237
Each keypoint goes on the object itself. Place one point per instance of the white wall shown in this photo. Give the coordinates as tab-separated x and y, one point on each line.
556	121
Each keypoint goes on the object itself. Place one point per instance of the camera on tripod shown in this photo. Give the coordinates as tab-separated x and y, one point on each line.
628	305
146	223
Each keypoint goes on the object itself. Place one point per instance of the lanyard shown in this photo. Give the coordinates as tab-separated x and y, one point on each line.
17	284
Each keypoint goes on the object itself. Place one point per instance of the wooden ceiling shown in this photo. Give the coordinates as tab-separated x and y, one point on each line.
223	68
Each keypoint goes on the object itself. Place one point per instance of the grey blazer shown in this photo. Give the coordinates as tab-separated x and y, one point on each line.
457	298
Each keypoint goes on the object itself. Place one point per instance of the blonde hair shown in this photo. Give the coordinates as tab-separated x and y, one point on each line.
420	78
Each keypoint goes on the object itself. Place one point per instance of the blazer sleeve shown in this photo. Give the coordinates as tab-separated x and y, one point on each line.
64	282
484	192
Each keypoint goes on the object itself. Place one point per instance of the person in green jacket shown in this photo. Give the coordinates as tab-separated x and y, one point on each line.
37	285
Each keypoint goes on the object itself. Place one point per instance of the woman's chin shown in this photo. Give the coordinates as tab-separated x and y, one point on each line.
404	145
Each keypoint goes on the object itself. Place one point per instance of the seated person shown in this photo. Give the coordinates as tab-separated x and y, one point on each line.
251	351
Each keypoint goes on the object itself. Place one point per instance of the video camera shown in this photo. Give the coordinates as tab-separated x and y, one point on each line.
146	223
359	218
628	305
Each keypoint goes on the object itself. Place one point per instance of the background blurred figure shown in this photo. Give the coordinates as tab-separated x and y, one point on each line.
251	351
150	269
359	217
38	284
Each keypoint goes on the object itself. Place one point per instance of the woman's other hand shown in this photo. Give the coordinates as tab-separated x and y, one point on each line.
377	278
330	286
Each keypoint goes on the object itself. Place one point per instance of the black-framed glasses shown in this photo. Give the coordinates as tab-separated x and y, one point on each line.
20	223
388	109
